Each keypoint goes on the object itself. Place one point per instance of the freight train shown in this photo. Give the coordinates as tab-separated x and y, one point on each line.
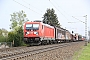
41	33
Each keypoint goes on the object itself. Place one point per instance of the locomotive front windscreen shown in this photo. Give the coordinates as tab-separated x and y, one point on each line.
32	26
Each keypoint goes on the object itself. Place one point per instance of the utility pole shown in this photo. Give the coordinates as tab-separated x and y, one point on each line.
85	30
89	35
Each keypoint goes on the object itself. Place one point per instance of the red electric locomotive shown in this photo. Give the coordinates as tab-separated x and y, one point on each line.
38	32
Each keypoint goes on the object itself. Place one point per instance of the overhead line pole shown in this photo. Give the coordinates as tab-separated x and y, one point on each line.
85	30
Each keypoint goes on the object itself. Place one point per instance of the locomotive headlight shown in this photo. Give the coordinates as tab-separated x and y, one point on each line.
27	32
36	33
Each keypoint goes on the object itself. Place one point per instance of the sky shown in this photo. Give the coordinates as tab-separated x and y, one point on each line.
35	10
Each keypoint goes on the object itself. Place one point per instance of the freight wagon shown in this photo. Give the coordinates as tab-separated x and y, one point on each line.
62	35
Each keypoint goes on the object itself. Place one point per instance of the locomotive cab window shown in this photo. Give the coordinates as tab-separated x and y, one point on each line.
32	26
28	26
35	26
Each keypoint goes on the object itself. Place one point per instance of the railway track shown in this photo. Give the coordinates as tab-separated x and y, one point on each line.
19	53
10	49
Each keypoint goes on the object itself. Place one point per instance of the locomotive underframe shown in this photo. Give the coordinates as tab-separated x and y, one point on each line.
38	40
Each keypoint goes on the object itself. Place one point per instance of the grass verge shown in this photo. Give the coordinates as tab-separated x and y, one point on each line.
83	54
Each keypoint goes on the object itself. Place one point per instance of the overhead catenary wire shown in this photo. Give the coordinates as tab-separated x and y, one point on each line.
41	14
78	19
31	5
26	7
69	14
58	9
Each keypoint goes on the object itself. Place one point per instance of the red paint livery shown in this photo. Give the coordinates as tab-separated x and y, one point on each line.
38	31
43	30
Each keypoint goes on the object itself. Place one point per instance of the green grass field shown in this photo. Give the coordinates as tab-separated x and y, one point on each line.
83	54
